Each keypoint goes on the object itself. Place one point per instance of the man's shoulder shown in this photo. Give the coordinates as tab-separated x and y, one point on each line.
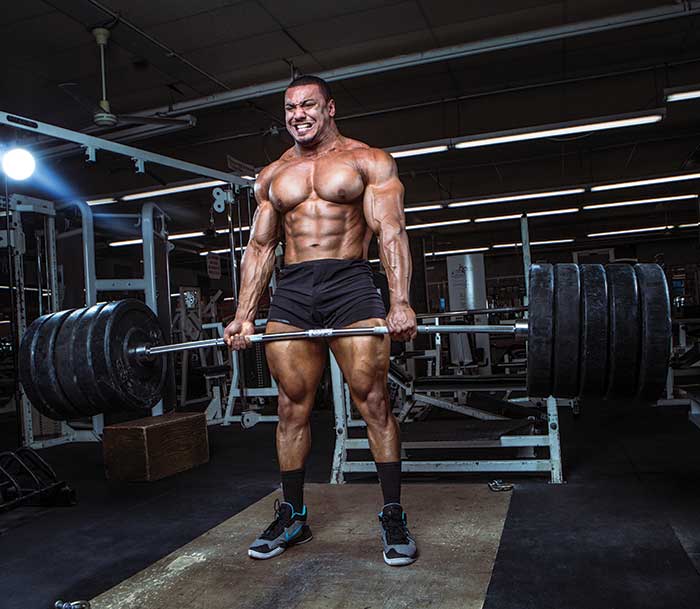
354	145
268	171
366	153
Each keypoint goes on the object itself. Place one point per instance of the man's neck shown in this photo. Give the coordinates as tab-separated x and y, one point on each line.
326	143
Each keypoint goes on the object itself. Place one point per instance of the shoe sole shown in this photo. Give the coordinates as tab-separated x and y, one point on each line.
398	562
278	550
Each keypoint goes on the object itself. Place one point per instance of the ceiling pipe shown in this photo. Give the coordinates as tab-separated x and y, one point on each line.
500	43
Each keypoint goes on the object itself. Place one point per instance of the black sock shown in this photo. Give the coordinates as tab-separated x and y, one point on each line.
293	488
390	481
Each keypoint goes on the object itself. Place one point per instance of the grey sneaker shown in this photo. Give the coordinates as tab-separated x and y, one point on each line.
399	546
289	528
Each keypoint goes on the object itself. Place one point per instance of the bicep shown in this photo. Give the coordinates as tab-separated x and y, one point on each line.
383	200
265	227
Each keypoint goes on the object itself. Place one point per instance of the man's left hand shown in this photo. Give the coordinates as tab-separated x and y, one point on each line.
401	322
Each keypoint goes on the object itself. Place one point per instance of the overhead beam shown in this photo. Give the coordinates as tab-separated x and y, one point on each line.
511	41
93	144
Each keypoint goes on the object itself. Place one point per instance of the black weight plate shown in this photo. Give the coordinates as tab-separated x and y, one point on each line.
45	356
624	331
656	331
540	330
123	325
82	356
68	370
27	368
594	331
567	330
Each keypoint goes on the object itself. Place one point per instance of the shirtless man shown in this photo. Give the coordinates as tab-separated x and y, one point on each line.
328	195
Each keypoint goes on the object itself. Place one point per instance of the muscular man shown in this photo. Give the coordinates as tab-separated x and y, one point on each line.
327	196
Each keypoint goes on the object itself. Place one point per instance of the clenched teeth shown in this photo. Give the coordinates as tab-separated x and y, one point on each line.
302	127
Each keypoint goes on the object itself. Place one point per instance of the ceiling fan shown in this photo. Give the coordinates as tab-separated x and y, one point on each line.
102	115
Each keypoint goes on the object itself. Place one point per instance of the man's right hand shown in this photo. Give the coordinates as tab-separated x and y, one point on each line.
236	333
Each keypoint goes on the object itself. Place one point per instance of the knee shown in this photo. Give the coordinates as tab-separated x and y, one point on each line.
292	413
375	406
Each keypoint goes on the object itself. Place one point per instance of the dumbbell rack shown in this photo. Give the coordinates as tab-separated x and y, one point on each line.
344	445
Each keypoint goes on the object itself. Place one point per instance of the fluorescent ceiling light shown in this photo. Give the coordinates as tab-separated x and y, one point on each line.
175	236
551	242
172	190
525	197
127	242
248	177
676	97
408	210
678	94
186	235
497	218
399	154
552	212
570	128
101	201
431	224
26	289
691	225
548	242
677	178
223	231
5	321
462	251
223	250
374	260
230	298
640	201
629	231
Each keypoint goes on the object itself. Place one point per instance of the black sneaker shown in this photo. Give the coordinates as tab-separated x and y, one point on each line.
289	528
399	547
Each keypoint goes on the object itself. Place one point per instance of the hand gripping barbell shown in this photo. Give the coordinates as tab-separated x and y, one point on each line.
592	331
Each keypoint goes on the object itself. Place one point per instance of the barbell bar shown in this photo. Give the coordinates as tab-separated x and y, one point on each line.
592	331
519	329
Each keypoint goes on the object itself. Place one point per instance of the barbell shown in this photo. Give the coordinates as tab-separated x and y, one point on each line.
592	331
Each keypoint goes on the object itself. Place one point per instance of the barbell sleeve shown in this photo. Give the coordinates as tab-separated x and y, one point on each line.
517	329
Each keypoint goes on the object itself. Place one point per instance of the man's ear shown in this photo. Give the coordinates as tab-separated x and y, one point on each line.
331	107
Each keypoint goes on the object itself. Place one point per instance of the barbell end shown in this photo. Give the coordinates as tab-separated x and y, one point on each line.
142	353
521	328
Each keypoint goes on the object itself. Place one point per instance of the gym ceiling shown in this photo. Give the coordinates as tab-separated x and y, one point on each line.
506	65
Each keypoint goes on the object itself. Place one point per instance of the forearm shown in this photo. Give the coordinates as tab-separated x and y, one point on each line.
395	255
256	269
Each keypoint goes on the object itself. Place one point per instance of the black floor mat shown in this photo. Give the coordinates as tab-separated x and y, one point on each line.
622	533
119	528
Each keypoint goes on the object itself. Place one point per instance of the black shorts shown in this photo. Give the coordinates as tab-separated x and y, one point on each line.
327	293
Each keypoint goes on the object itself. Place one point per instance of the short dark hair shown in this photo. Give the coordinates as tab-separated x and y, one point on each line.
310	79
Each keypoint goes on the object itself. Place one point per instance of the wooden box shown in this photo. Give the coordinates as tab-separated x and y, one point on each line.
155	447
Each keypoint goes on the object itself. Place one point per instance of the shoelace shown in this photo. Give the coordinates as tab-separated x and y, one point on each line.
396	530
277	525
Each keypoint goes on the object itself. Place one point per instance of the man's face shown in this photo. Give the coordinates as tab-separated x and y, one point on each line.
307	114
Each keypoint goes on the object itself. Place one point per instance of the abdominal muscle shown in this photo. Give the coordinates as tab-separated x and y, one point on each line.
317	229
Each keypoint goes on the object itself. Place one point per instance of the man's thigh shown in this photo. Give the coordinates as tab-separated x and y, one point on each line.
296	365
364	360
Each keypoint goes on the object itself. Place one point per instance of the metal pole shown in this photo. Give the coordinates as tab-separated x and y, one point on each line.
486	311
237	359
88	252
232	245
40	270
525	236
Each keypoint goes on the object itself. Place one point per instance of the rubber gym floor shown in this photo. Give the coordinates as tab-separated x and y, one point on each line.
623	532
